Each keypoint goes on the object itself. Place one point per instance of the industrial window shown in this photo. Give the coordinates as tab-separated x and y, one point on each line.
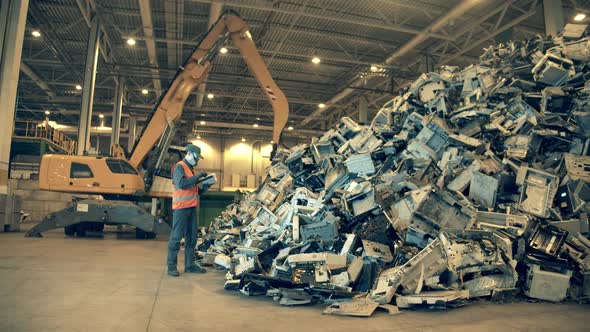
80	171
119	166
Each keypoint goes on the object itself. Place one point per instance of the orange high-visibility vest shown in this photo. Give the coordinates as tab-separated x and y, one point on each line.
184	198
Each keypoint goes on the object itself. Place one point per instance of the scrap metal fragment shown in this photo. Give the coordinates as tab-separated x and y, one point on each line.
538	188
223	260
513	224
390	309
359	307
427	263
483	190
377	250
354	269
434	299
545	282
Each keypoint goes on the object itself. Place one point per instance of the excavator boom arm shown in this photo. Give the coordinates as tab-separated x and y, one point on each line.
241	37
169	108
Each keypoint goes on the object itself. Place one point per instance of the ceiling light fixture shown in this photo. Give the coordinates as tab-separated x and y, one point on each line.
144	91
36	33
290	128
210	96
316	60
255	125
47	112
374	68
101	115
243	139
223	50
203	123
321	105
131	41
579	17
78	87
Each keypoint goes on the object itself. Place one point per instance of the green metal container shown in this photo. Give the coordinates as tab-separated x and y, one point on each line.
212	203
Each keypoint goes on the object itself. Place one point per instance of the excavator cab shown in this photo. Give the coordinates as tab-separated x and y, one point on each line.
89	175
106	175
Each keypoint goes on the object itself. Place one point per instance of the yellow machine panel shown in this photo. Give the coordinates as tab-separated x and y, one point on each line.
89	175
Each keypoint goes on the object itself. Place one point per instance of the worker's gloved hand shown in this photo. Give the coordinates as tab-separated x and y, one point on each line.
201	174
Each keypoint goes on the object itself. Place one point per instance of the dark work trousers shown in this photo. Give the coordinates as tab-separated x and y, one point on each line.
184	223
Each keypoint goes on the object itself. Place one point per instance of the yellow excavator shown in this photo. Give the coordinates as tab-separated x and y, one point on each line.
119	181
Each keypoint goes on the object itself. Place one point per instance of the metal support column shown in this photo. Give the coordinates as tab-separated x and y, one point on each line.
13	18
88	87
363	109
117	110
553	12
132	133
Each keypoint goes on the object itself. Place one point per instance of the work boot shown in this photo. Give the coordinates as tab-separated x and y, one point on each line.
173	273
195	269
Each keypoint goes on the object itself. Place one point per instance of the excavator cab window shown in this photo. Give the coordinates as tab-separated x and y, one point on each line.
127	168
80	171
120	166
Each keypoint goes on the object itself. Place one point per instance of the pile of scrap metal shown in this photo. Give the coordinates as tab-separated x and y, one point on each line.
472	183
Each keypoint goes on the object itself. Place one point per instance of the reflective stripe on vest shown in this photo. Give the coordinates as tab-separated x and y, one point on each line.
184	198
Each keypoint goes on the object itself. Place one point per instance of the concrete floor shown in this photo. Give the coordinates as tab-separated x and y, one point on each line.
111	284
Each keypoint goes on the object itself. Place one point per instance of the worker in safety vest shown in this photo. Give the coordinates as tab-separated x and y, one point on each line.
185	199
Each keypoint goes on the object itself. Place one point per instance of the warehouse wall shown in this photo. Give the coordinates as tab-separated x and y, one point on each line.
226	157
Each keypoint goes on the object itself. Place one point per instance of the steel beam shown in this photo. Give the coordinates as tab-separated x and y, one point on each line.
117	112
84	10
553	14
174	18
132	133
415	5
214	13
533	8
145	109
212	124
297	101
303	57
362	108
420	37
474	28
267	5
13	19
37	79
137	71
456	12
191	18
88	87
148	31
53	42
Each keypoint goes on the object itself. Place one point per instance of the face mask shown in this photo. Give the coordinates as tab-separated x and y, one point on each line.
190	157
